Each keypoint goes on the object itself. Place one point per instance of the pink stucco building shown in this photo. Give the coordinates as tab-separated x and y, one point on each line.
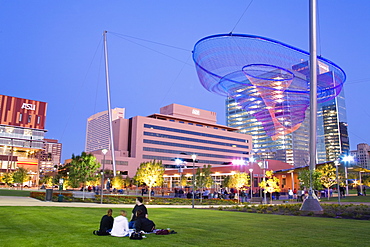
176	132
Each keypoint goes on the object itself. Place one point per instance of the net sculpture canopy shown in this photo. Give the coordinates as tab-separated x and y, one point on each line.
268	79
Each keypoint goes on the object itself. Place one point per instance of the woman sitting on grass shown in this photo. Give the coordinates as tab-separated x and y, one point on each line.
142	223
106	224
120	226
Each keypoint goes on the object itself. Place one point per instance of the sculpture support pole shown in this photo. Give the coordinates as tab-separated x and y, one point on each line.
111	146
311	203
313	87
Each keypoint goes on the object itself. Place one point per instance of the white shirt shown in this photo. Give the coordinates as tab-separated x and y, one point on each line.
120	227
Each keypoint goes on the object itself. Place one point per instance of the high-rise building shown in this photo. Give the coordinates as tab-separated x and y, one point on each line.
97	129
22	130
362	155
50	156
176	132
293	148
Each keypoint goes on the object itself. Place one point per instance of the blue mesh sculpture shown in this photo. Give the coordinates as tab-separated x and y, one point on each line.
267	78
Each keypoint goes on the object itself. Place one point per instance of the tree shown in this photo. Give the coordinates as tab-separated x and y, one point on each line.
127	182
305	180
238	180
82	169
117	182
203	179
328	176
271	183
183	180
151	174
48	180
20	176
8	178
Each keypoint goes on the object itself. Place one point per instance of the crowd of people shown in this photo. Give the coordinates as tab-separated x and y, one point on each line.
121	227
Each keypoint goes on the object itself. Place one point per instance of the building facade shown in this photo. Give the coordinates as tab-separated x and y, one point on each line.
22	131
177	132
362	155
97	129
50	156
293	148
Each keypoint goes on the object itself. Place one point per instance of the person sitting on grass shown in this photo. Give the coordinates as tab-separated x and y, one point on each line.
142	223
120	225
106	224
139	206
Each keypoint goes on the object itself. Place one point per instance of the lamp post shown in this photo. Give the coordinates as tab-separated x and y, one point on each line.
104	151
336	172
251	172
194	157
360	182
347	159
264	167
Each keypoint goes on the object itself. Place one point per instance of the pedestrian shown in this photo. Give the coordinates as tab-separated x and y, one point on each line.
364	190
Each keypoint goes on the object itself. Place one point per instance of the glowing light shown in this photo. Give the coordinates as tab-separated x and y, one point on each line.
268	79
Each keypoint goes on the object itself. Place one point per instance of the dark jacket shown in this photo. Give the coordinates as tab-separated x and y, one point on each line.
144	224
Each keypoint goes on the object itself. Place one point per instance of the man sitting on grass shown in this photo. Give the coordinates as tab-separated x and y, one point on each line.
139	206
106	224
120	226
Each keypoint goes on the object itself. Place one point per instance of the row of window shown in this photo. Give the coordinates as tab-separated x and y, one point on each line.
193	140
193	133
193	147
159	150
153	157
118	162
29	119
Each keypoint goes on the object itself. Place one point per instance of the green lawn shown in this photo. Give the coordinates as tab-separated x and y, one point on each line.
14	192
57	226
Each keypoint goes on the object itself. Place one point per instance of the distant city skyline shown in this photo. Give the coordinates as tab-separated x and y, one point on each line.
52	52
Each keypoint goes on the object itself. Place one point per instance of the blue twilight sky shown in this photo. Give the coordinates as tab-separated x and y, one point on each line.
52	51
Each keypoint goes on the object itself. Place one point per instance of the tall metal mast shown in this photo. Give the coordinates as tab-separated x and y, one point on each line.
311	203
109	107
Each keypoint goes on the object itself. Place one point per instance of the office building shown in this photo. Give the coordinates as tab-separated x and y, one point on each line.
22	130
97	129
50	156
176	132
293	148
362	155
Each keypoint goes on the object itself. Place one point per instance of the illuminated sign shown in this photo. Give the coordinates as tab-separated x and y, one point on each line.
28	106
195	112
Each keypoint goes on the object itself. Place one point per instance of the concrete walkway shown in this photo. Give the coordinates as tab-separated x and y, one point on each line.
28	201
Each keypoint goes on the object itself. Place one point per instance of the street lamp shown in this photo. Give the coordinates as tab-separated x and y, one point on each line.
347	159
360	182
194	157
263	165
336	172
104	151
251	172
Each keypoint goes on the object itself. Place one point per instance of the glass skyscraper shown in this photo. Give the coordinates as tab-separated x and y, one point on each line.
293	148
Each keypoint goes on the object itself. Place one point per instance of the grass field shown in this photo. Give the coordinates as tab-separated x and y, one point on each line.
57	226
14	192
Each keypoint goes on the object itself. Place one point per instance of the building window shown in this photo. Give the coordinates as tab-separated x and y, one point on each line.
29	118
38	119
20	117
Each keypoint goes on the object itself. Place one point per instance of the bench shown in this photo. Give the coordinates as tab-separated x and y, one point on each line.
256	199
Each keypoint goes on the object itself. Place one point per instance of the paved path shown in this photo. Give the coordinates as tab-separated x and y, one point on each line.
28	201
